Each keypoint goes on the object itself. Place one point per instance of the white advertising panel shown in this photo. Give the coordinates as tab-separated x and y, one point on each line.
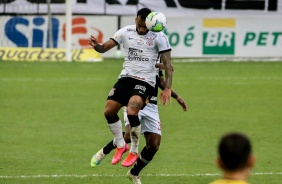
129	7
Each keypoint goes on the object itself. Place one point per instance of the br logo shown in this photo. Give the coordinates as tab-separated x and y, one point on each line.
218	37
81	32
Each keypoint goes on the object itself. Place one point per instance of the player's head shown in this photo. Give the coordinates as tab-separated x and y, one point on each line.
235	152
140	20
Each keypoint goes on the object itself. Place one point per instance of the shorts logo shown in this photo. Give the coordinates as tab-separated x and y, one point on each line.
142	88
153	98
111	93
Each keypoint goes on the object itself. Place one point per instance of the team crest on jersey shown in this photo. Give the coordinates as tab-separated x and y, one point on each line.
150	41
112	92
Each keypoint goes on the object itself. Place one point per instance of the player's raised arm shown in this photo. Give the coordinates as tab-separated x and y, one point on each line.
166	93
101	48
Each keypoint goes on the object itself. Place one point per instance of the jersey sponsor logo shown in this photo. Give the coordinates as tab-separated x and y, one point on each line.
133	51
131	29
134	54
112	92
142	88
130	58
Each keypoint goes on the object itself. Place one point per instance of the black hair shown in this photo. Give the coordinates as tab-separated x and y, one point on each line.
234	151
143	13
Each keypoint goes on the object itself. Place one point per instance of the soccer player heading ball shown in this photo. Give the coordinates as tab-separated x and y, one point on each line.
137	80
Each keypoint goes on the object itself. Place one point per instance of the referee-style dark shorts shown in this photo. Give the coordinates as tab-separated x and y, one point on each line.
127	87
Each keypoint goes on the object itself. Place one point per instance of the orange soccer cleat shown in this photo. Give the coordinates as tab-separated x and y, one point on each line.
130	159
119	153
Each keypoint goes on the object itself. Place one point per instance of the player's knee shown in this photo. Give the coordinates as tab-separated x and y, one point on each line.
109	112
153	147
134	107
153	141
112	108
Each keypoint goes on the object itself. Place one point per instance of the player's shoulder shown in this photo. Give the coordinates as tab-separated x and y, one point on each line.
126	30
129	28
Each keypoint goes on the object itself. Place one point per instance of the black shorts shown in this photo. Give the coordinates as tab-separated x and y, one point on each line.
127	87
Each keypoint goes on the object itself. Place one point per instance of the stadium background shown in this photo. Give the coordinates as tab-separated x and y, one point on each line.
52	112
223	28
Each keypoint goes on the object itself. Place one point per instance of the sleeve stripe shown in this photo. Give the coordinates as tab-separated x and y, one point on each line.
114	40
164	51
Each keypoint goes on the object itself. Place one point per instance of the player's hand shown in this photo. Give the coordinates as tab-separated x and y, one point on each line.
182	103
161	66
93	41
165	96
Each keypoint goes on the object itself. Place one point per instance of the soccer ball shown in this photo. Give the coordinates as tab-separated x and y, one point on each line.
156	21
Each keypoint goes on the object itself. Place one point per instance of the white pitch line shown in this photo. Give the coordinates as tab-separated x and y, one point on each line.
122	175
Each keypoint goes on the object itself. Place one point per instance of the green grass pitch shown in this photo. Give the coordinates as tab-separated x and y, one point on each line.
52	122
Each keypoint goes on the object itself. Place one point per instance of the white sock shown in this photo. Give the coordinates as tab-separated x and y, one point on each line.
100	155
134	135
116	129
